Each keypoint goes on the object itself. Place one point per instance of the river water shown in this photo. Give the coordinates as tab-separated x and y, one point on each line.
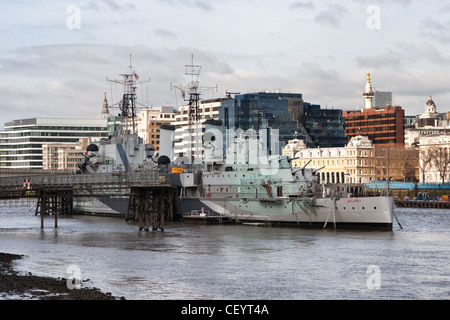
236	262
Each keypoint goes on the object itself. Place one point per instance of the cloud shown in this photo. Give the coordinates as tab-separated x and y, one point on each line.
165	33
435	29
302	5
405	55
385	60
433	24
69	80
204	5
332	15
402	3
108	5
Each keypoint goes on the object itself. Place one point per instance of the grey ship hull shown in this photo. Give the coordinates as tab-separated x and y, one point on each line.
102	206
366	212
374	213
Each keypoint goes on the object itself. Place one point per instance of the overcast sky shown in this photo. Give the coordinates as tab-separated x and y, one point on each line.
56	55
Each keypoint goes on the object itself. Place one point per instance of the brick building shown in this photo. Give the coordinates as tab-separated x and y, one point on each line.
384	126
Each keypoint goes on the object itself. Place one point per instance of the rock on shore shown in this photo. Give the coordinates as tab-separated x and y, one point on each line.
30	287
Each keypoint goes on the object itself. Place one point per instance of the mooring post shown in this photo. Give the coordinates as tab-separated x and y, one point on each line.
154	214
140	209
43	208
170	200
146	212
55	212
162	211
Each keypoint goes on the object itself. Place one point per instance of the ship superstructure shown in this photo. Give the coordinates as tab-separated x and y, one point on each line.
123	150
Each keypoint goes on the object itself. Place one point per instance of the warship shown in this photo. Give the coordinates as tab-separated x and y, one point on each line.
122	158
279	195
247	185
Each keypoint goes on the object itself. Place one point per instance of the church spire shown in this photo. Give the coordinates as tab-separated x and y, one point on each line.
105	109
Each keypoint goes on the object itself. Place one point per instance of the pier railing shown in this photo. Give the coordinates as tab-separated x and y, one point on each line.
395	185
55	193
103	179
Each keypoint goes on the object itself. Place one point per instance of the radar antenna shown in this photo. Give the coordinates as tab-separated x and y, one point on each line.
128	104
194	91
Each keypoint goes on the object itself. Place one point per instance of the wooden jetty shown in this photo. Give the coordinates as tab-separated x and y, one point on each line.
422	204
151	197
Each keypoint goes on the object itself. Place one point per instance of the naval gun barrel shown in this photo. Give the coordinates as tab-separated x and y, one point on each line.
315	171
304	167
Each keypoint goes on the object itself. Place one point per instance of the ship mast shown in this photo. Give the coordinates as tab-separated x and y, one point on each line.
128	104
194	91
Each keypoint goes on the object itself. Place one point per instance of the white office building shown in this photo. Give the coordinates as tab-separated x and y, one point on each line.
21	141
188	136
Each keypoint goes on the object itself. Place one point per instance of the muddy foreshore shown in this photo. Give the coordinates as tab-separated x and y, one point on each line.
15	286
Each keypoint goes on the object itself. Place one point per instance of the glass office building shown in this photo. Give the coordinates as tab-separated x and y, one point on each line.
325	127
21	141
288	114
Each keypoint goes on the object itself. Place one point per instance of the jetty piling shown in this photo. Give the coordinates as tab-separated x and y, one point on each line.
147	205
54	201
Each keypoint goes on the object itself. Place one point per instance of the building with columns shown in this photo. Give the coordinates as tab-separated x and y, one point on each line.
434	150
352	164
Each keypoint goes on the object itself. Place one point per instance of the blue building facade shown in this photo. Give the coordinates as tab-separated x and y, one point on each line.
325	127
288	114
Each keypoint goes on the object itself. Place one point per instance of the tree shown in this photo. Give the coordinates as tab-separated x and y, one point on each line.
441	160
407	160
380	162
396	163
425	159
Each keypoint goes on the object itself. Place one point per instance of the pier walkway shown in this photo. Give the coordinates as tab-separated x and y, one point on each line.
150	193
422	204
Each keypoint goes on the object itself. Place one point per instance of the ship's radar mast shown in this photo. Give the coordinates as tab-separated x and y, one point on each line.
128	104
194	91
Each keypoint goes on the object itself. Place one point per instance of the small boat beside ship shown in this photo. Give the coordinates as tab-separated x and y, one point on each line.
205	217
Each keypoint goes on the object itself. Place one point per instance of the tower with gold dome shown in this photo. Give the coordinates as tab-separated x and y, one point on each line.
368	94
383	125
